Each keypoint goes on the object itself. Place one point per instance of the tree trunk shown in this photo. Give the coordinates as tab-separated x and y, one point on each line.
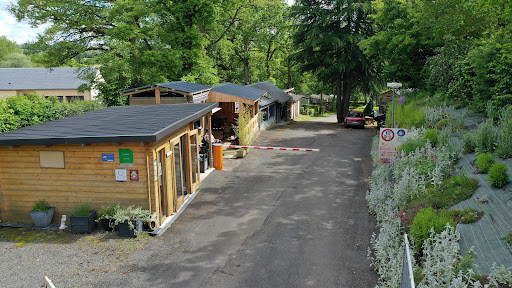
347	89
289	73
339	106
246	62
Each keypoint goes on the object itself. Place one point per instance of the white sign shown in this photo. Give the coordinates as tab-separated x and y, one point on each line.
390	140
237	107
155	166
121	175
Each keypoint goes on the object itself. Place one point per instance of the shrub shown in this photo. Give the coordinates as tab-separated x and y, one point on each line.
407	116
441	124
302	110
82	210
41	205
410	145
311	112
468	142
452	191
498	175
431	135
484	162
107	212
504	139
426	220
486	138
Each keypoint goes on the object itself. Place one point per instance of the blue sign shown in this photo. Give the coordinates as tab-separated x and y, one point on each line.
107	157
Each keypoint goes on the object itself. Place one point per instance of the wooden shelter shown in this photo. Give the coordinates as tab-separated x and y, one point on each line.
146	156
230	96
168	93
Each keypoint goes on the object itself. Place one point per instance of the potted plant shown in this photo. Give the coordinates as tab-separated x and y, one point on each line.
42	213
129	220
106	217
83	219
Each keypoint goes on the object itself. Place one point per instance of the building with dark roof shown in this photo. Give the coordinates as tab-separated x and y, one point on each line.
231	97
168	93
274	107
60	82
147	156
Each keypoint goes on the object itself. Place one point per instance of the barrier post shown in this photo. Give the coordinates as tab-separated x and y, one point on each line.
217	157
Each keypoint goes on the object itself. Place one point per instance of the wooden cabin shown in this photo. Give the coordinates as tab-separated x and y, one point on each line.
146	156
168	93
274	106
230	96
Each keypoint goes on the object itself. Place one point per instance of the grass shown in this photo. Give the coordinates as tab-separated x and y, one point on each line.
451	191
301	117
26	236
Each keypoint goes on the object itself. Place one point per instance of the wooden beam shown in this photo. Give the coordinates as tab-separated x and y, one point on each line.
46	146
138	91
157	95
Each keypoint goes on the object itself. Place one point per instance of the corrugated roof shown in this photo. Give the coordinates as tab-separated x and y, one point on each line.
39	78
241	91
182	86
110	125
275	92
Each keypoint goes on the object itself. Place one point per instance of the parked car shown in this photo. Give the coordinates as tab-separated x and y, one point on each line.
354	119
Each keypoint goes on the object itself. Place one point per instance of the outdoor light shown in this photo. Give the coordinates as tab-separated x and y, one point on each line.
393	86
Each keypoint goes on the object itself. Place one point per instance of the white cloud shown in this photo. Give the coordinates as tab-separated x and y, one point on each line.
14	30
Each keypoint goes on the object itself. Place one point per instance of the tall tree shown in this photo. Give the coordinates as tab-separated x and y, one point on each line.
7	47
328	36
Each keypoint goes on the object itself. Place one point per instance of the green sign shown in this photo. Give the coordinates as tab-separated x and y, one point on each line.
126	157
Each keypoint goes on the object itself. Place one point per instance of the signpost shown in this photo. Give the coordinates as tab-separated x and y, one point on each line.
390	140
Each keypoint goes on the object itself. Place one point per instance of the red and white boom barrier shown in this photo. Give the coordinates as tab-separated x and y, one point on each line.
269	148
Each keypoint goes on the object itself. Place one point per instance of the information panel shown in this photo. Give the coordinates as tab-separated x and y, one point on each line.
390	140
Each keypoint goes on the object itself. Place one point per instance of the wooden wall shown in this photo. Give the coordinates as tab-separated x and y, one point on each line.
85	178
151	100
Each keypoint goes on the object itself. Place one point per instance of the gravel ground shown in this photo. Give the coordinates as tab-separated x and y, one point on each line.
27	256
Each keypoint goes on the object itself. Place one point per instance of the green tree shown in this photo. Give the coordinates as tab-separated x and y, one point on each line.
7	47
16	60
328	36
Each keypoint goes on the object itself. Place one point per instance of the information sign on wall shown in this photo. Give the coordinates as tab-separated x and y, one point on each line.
121	175
390	139
126	158
107	157
134	175
237	107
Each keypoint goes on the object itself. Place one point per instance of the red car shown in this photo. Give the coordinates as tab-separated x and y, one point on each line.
354	119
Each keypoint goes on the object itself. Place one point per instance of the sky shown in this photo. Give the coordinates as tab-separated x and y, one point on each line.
12	29
22	32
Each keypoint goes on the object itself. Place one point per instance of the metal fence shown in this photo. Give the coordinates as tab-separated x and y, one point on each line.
407	275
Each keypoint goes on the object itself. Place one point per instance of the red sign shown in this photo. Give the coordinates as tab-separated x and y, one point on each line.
134	175
387	135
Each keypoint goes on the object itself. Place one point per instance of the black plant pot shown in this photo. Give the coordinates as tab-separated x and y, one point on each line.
84	224
124	230
107	224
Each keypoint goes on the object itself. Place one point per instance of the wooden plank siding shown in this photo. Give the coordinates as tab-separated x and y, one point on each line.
221	97
152	100
85	179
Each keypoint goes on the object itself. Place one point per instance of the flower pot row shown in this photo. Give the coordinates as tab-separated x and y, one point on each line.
127	221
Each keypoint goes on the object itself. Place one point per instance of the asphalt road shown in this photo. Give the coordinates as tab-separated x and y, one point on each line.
272	219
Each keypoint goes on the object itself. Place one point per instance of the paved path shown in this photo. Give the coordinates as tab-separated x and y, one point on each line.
273	219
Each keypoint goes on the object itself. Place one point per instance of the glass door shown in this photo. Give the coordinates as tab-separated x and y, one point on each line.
162	184
180	176
194	160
